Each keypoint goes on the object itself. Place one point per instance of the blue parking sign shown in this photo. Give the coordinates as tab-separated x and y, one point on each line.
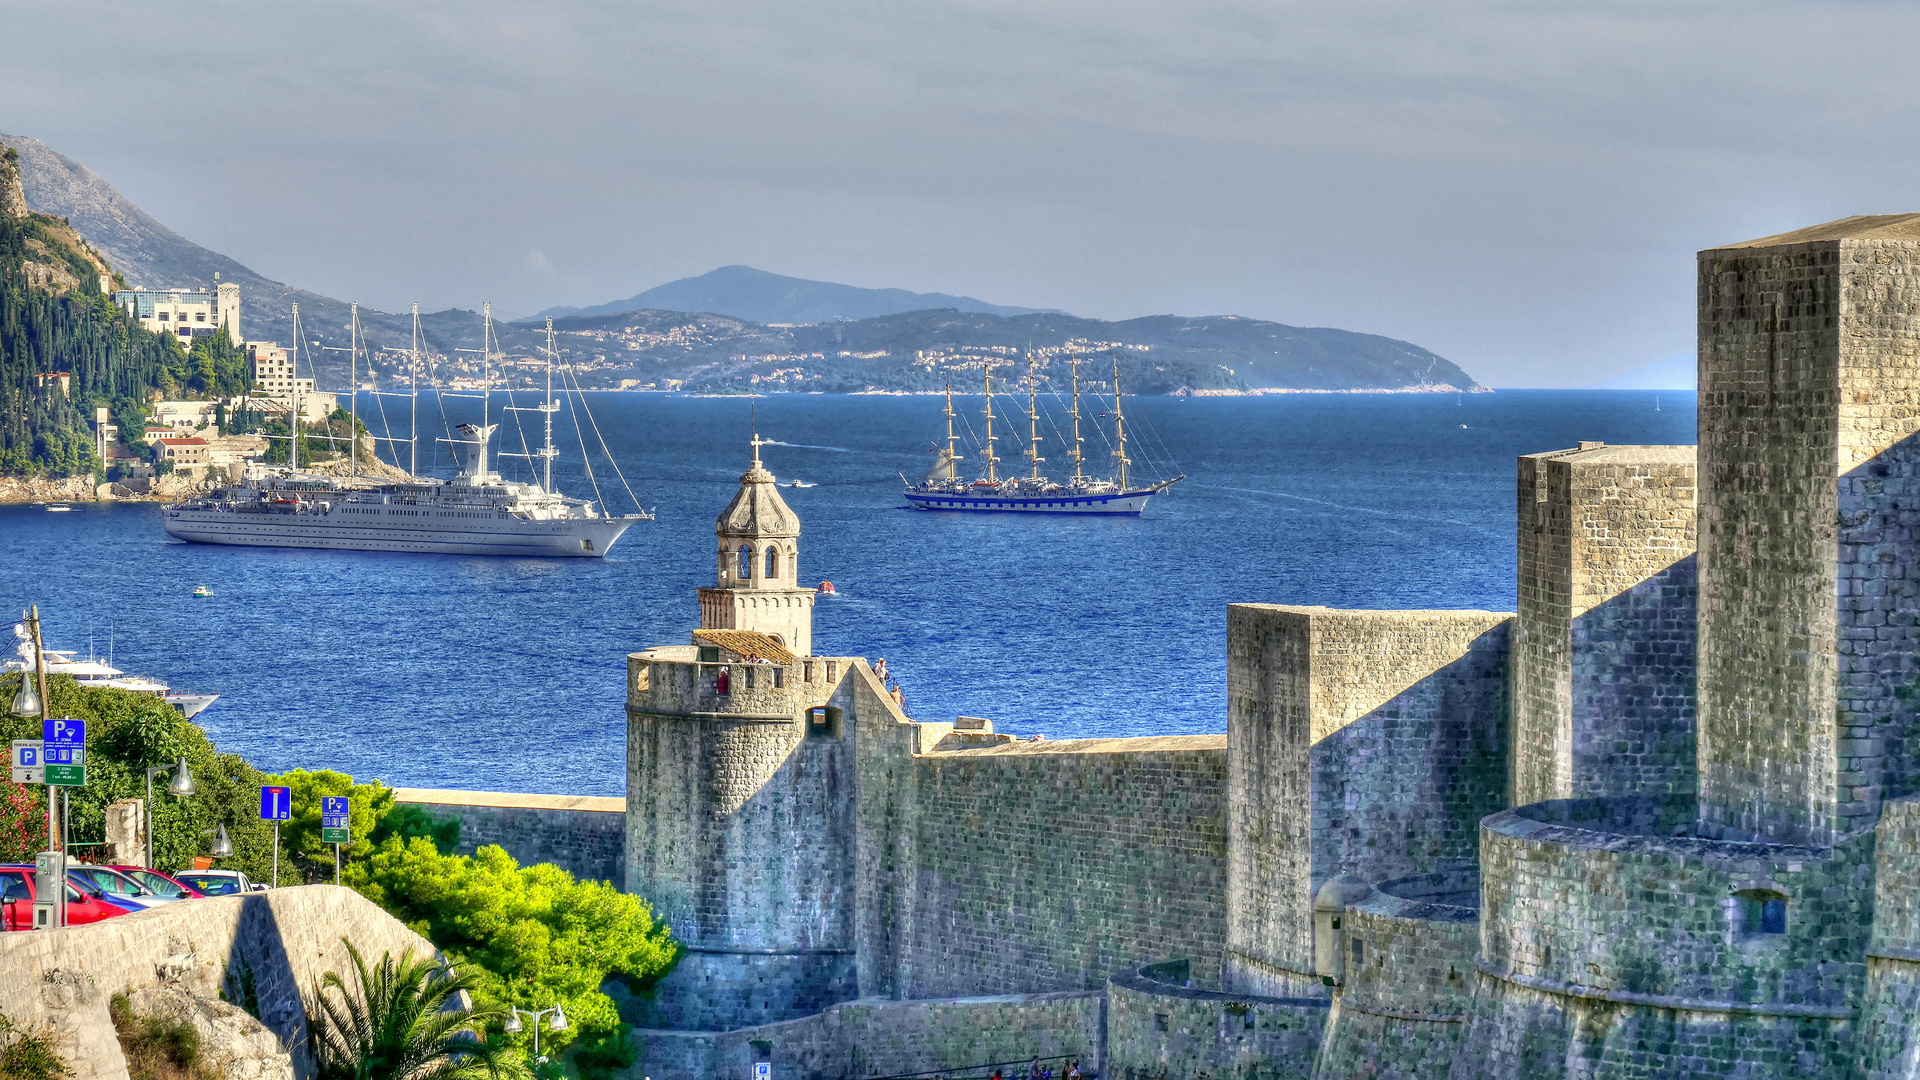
334	827
276	804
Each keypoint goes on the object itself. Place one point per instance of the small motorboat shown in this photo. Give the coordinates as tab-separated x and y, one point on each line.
826	588
201	592
58	508
799	484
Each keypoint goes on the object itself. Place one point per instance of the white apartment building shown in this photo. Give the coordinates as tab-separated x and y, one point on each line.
273	369
185	314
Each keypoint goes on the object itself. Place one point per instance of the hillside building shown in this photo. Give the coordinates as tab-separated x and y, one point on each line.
185	314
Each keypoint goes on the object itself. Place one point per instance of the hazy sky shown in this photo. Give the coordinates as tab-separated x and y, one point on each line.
1517	186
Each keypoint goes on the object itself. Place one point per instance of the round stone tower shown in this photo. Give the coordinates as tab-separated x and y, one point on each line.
740	786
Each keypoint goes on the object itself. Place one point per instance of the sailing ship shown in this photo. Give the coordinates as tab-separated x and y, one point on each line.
943	488
478	512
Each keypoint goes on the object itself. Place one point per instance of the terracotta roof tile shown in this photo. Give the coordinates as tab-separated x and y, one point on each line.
749	643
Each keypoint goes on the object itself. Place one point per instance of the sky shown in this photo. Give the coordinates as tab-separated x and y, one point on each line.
1519	187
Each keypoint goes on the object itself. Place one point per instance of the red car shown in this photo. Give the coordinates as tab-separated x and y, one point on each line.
162	884
84	902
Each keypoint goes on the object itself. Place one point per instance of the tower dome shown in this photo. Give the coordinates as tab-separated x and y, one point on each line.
756	583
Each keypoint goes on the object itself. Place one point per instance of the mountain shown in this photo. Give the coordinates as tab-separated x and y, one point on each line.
757	296
738	327
1673	373
924	350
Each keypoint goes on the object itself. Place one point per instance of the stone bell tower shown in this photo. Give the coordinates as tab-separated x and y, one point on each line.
757	586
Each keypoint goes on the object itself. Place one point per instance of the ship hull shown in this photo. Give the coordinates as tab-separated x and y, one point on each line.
540	539
1115	502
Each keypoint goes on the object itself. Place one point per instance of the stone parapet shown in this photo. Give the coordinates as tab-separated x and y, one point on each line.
1161	1028
583	835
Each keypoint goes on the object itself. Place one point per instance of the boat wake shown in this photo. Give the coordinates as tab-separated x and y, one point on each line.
804	446
1355	509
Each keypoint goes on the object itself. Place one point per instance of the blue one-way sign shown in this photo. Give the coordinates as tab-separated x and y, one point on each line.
276	804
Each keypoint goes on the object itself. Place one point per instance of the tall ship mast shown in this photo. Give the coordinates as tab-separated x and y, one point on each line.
476	513
944	488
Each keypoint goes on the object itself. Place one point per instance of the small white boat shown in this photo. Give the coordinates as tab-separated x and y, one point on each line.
799	484
201	592
58	508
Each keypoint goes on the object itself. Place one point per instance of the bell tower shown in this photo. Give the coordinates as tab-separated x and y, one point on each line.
758	564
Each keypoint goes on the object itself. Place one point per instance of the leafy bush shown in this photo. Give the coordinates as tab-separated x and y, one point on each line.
23	821
29	1055
534	935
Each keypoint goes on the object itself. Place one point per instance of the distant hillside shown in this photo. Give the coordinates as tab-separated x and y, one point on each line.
746	293
713	332
922	350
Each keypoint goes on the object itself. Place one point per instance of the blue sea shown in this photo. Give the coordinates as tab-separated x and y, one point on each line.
508	674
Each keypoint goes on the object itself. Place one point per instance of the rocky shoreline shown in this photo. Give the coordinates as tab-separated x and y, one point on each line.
30	489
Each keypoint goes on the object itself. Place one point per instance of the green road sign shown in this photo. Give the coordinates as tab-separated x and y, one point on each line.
336	836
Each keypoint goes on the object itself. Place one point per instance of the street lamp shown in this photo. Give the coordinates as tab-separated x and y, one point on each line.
181	785
222	846
558	1023
26	702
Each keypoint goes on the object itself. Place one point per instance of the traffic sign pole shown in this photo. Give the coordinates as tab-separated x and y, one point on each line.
276	854
335	826
276	805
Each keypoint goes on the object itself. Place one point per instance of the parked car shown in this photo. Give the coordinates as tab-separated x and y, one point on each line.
119	888
163	884
85	904
219	882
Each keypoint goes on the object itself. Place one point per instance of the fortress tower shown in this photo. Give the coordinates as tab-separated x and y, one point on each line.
1809	402
740	786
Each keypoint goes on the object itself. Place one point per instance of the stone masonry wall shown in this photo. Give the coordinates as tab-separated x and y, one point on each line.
1045	866
1809	401
1388	727
581	834
1603	672
1608	953
891	1038
288	938
1889	1041
1159	1027
1407	990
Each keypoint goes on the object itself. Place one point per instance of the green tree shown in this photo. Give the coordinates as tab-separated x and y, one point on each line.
300	836
536	935
402	1020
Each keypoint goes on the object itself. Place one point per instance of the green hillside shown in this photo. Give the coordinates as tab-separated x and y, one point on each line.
54	318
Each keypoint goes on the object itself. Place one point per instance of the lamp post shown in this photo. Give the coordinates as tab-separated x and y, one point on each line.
181	786
31	700
558	1023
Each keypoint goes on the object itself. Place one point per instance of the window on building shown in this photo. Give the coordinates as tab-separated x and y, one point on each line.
806	671
823	722
163	316
1762	912
1359	951
773	562
749	676
779	677
709	654
746	561
199	316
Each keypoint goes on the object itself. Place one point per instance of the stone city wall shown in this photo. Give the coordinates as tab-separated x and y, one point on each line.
1160	1028
869	1038
1388	727
1889	1041
288	938
1407	985
1604	637
582	834
1636	955
1046	866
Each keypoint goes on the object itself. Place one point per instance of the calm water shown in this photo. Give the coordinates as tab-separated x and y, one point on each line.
450	671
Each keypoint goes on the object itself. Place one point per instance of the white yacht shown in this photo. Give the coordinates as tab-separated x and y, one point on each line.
92	672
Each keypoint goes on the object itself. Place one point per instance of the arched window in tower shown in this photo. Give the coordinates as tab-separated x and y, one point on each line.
773	562
746	562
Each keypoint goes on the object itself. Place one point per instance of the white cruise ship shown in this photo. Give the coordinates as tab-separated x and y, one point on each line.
476	513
